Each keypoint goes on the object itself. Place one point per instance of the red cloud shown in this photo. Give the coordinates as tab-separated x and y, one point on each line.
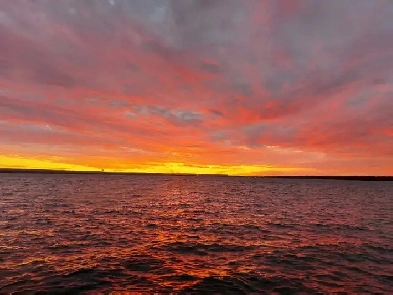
279	83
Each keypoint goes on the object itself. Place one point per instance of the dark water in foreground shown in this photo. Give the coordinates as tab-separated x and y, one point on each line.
86	233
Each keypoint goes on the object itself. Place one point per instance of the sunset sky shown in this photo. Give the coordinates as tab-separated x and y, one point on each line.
251	87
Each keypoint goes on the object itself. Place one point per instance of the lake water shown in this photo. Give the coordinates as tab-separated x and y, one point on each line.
87	233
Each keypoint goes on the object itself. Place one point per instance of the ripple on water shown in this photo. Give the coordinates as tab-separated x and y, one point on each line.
203	249
99	233
246	284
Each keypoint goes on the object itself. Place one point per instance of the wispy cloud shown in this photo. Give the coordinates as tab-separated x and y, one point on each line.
235	86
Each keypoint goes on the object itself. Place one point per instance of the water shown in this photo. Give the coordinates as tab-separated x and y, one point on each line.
88	233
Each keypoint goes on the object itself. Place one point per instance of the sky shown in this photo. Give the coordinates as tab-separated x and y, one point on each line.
253	87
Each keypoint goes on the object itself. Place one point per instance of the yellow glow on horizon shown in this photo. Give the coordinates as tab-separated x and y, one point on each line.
209	169
31	163
171	167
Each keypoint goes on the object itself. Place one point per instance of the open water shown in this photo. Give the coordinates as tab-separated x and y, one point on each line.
101	233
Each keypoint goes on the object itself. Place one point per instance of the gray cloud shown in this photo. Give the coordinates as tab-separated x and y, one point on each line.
173	116
209	67
216	112
286	63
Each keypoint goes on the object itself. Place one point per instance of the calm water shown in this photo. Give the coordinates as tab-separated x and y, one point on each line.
87	233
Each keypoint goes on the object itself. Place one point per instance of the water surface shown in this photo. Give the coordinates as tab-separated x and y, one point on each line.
87	233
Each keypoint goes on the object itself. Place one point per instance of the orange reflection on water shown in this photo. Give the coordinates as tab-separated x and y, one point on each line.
172	233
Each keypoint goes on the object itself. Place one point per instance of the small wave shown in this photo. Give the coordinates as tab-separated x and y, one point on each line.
81	272
151	225
283	225
212	284
342	227
380	249
203	249
145	263
59	246
246	284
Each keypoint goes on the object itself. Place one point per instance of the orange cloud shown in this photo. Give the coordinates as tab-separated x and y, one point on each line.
263	87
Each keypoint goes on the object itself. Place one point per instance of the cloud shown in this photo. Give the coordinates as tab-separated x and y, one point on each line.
299	84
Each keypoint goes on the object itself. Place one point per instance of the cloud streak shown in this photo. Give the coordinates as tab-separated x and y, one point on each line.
298	86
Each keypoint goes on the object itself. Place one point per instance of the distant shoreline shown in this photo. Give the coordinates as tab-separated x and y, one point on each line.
48	171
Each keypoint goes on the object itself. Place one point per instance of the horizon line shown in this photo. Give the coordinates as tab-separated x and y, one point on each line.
64	171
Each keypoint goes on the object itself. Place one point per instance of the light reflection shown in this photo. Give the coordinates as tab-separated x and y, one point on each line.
179	232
